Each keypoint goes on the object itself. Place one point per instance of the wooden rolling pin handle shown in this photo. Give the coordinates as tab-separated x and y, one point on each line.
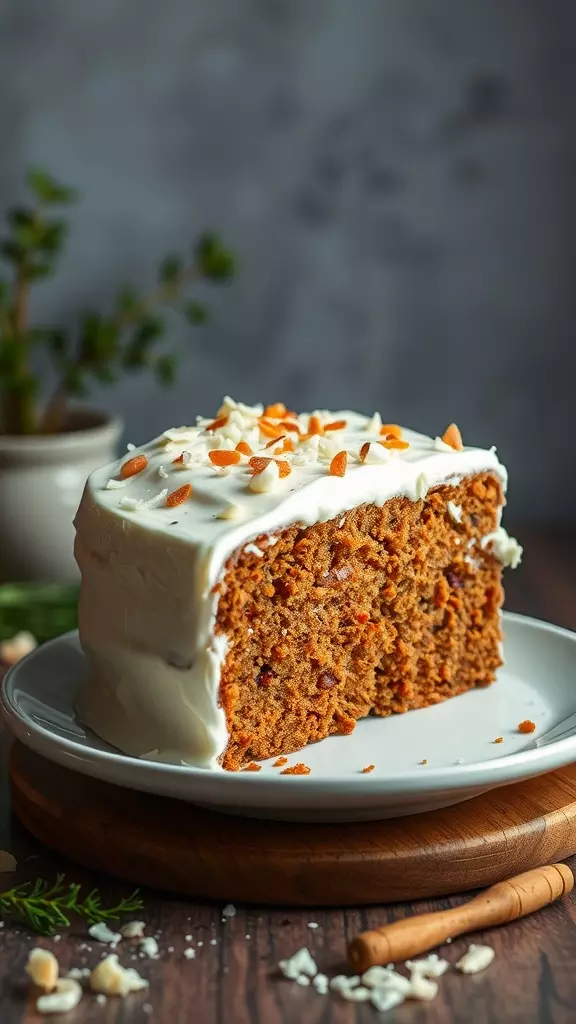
503	902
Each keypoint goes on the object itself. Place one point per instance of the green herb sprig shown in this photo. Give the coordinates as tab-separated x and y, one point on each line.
104	345
45	908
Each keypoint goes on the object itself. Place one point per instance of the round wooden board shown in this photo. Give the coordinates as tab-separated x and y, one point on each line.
167	844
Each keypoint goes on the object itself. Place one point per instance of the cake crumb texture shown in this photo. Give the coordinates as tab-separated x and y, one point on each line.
383	610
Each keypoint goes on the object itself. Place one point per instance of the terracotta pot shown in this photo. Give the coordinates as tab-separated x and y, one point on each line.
41	483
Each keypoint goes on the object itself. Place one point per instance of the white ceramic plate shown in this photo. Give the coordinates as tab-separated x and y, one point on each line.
456	739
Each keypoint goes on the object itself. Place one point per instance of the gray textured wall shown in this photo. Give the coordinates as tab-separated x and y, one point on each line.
397	176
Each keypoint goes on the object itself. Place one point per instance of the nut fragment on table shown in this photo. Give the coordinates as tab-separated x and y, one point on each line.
43	968
475	959
111	979
65	996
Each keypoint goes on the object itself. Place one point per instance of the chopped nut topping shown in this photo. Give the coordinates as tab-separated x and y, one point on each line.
259	464
133	466
453	437
179	496
395	444
269	429
216	424
390	430
224	457
275	411
315	426
339	464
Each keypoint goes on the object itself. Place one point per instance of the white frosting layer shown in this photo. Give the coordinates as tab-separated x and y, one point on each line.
147	611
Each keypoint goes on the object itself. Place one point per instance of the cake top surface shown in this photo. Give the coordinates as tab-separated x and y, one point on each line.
252	469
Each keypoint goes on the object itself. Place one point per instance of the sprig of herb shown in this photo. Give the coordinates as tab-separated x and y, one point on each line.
104	345
45	908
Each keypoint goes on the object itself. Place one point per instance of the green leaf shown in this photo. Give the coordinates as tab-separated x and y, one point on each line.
12	251
165	368
73	382
150	329
4	292
195	312
52	236
99	338
47	189
36	271
104	374
214	261
171	269
57	340
127	301
22	217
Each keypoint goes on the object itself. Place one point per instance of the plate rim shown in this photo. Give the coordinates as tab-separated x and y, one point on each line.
479	774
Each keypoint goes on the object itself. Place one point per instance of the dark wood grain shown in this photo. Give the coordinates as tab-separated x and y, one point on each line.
532	980
151	840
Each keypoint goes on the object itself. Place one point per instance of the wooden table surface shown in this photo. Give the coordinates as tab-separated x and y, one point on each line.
233	978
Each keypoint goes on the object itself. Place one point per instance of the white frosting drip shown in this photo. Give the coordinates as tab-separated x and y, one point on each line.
147	609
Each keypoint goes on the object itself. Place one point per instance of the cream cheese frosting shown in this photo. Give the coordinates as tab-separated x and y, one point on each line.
150	564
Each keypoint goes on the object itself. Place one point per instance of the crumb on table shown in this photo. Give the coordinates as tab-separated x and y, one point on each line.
253	767
368	768
279	762
499	739
423	761
526	726
297	769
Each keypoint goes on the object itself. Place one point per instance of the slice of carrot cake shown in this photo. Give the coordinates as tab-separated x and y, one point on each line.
264	579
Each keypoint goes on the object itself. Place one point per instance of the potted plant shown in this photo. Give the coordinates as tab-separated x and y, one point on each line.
48	449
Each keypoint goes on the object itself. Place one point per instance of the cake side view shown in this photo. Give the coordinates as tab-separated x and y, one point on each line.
263	579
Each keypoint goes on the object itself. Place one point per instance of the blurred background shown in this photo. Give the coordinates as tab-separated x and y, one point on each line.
395	176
